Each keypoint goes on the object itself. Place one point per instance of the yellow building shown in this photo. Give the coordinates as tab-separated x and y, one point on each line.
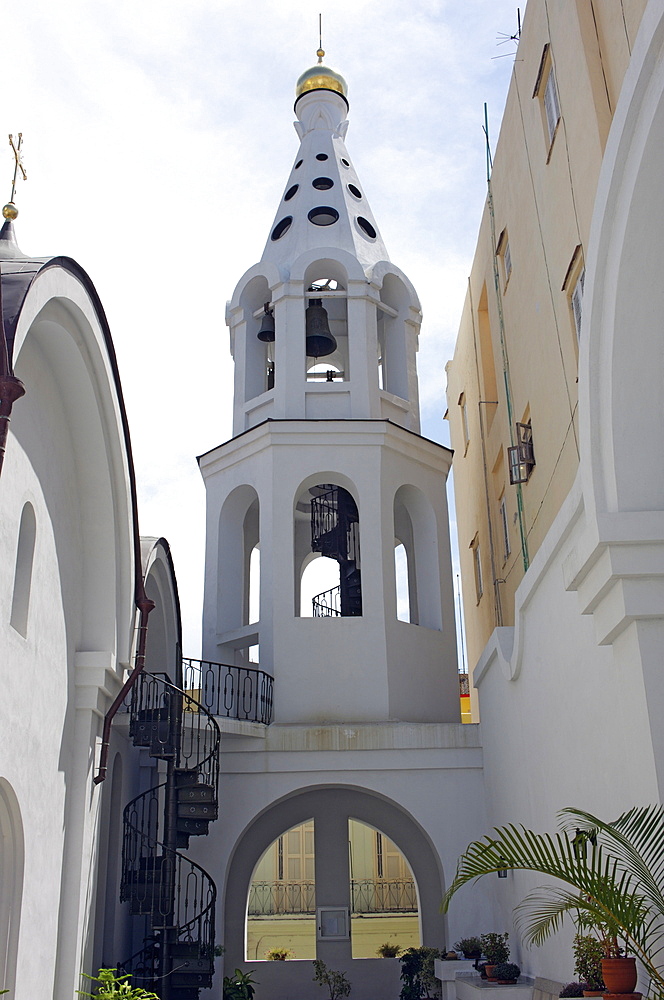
512	384
281	909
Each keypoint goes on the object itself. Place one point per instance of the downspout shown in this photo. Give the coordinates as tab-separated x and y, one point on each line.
11	388
503	346
145	606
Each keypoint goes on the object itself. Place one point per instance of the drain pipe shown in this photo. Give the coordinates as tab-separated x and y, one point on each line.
145	606
11	388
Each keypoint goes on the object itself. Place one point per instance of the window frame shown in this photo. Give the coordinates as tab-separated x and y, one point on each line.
546	90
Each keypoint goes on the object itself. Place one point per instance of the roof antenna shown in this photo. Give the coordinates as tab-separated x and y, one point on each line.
502	38
321	50
10	210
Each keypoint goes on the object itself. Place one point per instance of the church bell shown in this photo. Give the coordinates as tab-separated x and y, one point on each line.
319	342
266	332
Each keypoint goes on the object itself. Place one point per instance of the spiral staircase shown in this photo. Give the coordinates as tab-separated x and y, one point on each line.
335	534
173	896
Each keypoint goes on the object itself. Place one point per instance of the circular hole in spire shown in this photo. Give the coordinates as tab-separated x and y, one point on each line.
299	164
321	156
281	228
355	190
366	228
323	183
345	162
291	191
323	215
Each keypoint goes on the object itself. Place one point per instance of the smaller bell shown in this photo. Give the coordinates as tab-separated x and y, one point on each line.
266	332
319	339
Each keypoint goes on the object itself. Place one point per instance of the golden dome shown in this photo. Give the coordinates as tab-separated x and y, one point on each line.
321	78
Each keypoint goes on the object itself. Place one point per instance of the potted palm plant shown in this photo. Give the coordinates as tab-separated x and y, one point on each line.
611	876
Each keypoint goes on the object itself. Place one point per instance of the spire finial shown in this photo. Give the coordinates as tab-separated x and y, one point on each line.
321	50
10	210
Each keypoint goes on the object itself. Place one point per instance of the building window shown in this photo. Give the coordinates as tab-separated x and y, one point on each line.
502	509
521	457
577	300
547	91
477	566
573	284
504	252
464	421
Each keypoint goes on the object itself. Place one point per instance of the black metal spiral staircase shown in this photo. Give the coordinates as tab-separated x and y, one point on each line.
335	534
173	895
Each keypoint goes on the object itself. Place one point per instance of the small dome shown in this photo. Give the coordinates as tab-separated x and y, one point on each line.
321	78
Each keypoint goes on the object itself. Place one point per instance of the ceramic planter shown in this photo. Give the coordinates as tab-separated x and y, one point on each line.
619	974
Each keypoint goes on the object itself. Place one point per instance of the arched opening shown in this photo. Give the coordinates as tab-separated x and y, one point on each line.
329	294
259	366
401	576
415	528
254	585
391	331
383	894
239	529
327	525
11	880
281	911
25	551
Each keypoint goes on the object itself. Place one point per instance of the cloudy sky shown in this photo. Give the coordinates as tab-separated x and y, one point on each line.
158	140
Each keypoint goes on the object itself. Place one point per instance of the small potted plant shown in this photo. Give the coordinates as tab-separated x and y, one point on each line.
279	954
239	986
470	946
389	950
113	985
336	982
506	973
588	954
496	950
572	990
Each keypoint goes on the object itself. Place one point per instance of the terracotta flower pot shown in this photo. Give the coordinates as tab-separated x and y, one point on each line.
489	973
619	974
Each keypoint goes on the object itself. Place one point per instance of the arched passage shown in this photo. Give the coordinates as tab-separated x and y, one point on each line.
330	809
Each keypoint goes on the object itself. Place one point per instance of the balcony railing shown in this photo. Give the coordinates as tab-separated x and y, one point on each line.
367	896
243	693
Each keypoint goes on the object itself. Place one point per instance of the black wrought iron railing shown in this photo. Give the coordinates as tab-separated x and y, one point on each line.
268	898
383	896
231	692
327	604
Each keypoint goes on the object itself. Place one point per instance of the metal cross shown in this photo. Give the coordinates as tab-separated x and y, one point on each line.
18	162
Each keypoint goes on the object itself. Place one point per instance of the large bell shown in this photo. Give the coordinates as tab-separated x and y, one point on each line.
319	342
266	332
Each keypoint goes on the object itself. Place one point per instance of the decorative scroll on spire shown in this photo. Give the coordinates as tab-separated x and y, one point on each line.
10	210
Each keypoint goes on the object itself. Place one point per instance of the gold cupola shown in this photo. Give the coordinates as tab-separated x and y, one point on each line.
321	77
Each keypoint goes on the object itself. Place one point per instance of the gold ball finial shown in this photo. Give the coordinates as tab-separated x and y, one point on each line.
10	211
320	53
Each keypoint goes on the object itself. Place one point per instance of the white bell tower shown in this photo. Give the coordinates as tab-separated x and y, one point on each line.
327	461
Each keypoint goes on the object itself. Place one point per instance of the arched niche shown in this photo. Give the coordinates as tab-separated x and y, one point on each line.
331	808
416	529
12	859
621	349
25	550
164	626
259	357
239	534
63	345
327	524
